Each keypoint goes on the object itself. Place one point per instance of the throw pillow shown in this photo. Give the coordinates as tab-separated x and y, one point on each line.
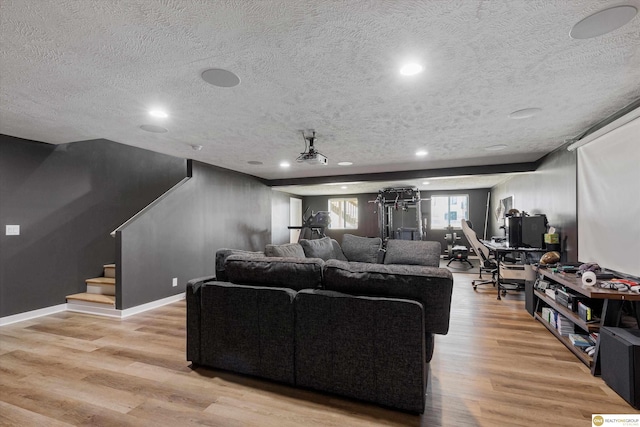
337	251
413	252
289	250
361	249
318	248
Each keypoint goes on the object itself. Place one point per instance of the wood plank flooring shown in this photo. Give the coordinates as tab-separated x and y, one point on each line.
496	367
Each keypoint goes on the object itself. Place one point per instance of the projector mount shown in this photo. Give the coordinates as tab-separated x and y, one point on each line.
311	155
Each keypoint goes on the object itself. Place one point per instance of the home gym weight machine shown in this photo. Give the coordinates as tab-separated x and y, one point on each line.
396	201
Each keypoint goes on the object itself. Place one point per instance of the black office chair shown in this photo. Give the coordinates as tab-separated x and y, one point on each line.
487	264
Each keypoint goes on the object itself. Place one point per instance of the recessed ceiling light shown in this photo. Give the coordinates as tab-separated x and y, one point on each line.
411	69
421	153
254	162
603	22
221	78
344	187
426	183
196	147
158	113
497	147
524	113
153	128
285	164
345	163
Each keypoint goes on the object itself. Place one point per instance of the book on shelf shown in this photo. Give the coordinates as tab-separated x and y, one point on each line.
580	340
564	325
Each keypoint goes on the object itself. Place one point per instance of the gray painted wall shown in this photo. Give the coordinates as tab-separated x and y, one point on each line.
179	236
67	199
280	217
368	216
550	190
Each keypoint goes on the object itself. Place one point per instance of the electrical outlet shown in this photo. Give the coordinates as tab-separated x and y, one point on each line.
174	282
12	230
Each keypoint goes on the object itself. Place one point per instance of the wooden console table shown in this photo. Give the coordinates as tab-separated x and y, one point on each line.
611	311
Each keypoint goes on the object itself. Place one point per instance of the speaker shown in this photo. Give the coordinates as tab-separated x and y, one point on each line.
620	362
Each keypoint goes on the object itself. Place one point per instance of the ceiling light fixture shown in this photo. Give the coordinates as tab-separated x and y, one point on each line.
524	113
411	69
221	78
603	22
344	187
158	113
345	163
153	128
421	153
426	183
196	147
285	164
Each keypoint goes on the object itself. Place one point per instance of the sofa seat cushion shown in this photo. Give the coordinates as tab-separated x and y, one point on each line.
248	329
294	273
361	249
431	286
289	250
362	347
412	252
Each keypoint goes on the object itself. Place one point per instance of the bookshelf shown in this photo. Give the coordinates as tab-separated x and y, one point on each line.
610	316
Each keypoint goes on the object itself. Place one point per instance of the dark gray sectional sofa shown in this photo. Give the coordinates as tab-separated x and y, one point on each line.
358	329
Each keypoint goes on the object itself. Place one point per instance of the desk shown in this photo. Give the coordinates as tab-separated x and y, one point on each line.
500	251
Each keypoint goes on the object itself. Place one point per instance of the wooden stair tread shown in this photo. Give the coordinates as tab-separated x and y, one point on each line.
101	281
98	298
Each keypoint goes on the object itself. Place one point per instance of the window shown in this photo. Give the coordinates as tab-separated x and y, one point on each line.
448	211
344	213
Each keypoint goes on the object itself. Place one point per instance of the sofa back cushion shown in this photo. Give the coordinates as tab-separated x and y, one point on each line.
293	273
363	347
361	249
413	252
337	251
318	248
431	286
221	258
288	250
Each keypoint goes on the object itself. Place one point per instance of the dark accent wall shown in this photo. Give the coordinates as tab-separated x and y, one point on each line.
178	237
67	199
550	190
368	214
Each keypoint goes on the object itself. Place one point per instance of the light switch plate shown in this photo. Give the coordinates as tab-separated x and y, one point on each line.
12	230
174	282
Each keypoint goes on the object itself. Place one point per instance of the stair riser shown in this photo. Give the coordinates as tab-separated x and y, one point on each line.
110	272
101	289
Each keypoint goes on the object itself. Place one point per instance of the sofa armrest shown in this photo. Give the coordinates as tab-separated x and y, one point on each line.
431	286
194	297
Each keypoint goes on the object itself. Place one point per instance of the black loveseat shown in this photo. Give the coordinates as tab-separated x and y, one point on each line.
359	329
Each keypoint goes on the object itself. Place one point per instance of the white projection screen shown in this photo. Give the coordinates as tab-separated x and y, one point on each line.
609	200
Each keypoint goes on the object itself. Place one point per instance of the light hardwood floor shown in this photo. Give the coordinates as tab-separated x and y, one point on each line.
496	367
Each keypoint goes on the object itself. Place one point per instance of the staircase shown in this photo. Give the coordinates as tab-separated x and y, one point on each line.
101	293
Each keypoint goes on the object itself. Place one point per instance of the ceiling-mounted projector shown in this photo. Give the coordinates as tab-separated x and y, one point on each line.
310	154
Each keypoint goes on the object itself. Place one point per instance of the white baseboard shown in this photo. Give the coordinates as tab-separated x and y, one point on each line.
21	317
153	304
99	311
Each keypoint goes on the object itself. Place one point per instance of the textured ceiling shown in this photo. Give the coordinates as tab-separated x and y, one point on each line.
78	70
